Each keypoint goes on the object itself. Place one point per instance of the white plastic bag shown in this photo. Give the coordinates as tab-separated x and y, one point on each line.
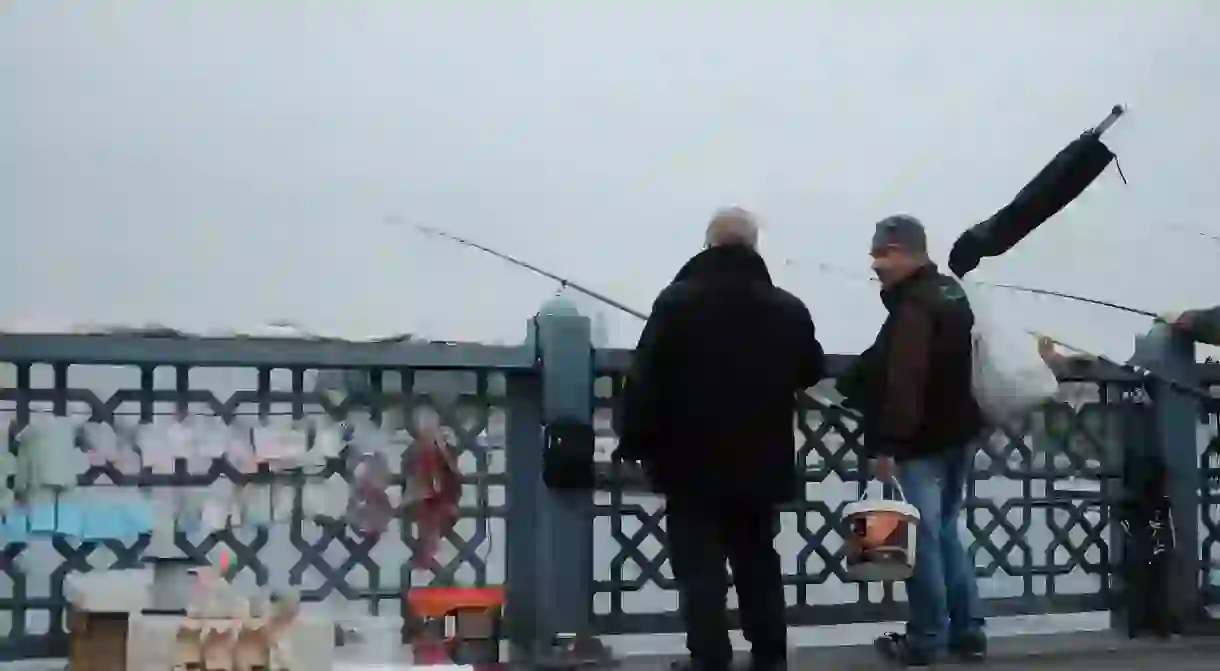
1009	377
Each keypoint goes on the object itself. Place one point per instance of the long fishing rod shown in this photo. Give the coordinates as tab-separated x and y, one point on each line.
565	282
1028	290
1139	370
1129	367
1197	392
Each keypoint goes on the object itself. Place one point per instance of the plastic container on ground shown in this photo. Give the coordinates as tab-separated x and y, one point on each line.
376	639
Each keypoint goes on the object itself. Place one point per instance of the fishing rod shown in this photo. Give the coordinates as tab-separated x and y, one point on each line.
1197	392
1129	367
849	412
1023	289
565	282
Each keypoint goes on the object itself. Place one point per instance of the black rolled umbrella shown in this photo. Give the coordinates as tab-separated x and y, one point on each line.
1067	175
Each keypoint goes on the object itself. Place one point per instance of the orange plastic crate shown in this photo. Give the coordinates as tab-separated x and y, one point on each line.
434	602
471	608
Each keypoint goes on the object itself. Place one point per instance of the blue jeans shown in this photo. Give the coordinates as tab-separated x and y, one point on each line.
942	594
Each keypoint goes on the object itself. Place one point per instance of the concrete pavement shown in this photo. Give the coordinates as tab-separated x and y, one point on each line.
1088	651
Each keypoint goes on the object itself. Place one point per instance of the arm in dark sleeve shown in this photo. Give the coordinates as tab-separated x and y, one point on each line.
812	362
853	383
646	384
1202	325
906	376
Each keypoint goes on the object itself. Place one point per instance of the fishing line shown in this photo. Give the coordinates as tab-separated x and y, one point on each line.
1183	229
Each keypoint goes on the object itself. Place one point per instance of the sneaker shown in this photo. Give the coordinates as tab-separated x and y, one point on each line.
895	647
970	647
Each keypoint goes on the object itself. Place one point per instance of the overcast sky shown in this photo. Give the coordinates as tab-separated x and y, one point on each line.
223	164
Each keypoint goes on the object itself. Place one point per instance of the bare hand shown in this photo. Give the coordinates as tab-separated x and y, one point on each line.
1046	350
1175	319
883	468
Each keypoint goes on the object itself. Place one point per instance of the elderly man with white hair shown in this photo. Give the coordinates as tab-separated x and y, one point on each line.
707	408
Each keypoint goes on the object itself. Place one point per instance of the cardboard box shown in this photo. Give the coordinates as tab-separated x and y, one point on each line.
97	641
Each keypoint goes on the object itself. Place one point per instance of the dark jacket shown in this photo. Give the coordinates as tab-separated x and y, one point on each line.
913	384
1203	325
708	405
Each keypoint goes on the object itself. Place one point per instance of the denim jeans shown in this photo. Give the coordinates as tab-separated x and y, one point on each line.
941	593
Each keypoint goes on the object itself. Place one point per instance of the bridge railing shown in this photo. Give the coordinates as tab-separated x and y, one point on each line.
485	397
1037	515
1209	472
1044	536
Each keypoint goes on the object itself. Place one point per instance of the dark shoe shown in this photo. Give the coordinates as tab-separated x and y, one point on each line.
970	647
896	648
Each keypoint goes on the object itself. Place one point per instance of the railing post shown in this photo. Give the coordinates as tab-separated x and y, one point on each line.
523	577
1175	414
562	522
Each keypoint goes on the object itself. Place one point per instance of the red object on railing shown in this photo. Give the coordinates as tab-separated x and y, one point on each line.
436	488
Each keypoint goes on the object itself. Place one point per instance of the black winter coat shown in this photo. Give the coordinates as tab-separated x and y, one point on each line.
708	405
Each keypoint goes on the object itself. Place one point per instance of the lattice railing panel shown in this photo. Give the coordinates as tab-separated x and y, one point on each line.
1040	530
1209	496
321	558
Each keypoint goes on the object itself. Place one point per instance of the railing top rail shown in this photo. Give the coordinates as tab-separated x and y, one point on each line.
140	350
619	361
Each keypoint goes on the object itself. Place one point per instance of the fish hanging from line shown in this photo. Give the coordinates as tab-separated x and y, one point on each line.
1059	182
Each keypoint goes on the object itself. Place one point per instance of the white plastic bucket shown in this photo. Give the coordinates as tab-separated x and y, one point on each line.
881	536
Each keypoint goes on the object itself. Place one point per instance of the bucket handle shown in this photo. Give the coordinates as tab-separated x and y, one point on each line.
894	481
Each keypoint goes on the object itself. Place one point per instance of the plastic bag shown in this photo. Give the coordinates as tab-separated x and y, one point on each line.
1009	377
47	456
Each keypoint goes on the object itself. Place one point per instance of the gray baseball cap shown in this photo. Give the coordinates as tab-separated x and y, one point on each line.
902	231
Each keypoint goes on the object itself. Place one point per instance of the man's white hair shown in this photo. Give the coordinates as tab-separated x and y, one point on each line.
732	226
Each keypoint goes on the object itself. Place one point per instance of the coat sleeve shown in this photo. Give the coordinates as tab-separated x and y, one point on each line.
1203	325
812	361
906	376
853	383
647	384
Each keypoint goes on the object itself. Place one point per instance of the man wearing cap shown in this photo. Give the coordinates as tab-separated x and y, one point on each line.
707	408
920	419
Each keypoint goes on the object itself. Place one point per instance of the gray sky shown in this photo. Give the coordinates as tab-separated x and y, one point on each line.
223	164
